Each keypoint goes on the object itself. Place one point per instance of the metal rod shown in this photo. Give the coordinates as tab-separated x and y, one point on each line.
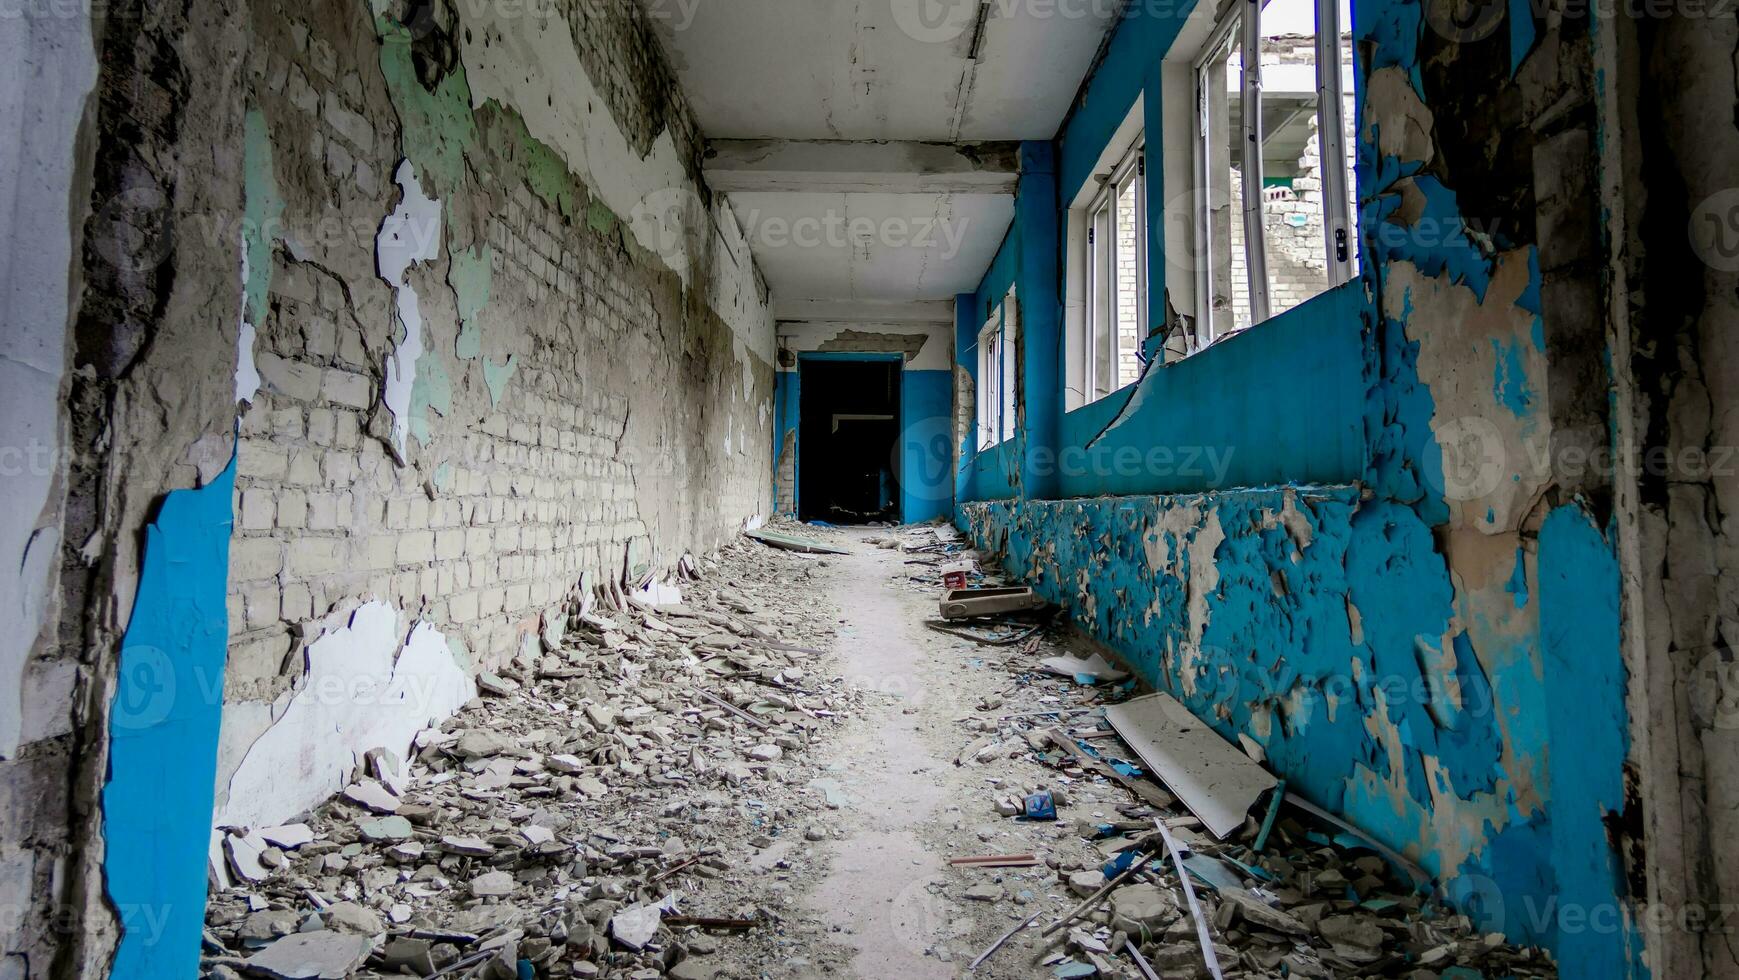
1206	939
1255	243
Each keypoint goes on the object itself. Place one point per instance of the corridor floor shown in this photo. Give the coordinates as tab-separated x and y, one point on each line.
769	779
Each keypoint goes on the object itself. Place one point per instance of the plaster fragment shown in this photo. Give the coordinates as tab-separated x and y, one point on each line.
362	687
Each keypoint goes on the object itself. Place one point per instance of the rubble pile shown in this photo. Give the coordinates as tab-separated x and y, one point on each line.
595	812
1310	900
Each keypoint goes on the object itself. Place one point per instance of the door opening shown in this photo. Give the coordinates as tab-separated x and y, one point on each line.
848	471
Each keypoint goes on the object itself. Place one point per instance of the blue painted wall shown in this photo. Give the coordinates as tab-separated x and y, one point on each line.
995	473
163	732
1444	673
1281	404
926	429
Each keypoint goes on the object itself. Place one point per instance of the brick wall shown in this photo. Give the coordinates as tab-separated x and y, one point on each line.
594	415
1130	330
1292	218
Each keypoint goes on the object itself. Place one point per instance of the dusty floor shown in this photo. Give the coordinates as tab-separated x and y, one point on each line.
596	815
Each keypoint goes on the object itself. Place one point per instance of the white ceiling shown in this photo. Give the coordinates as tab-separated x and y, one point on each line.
918	247
871	70
878	69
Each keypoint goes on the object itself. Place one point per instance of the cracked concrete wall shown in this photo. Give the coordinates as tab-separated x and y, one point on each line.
1671	202
1434	651
562	370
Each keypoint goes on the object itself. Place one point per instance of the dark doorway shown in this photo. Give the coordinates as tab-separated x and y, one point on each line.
850	421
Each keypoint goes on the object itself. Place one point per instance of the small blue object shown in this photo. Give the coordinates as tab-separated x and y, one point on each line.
1040	806
1126	769
526	971
1086	680
1074	968
1119	864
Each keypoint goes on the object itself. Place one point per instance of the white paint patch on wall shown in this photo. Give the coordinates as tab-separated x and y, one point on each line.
247	376
523	56
364	686
411	234
47	70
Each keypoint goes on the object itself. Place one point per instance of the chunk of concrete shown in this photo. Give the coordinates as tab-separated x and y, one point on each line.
323	955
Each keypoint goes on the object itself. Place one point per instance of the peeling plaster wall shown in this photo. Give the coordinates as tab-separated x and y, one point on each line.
507	340
47	72
1432	647
150	410
582	386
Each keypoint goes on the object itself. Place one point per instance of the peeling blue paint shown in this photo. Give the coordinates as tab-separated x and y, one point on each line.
1509	383
1579	627
1522	32
163	733
1395	667
1518	584
786	388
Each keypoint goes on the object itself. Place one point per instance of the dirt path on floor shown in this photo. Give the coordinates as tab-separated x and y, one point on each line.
896	785
905	805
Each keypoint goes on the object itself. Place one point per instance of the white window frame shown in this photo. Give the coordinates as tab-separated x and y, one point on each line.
1242	19
997	346
1103	288
990	382
1090	286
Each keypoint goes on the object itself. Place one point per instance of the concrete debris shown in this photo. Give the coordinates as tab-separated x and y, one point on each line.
288	837
311	956
546	829
635	927
543	830
1090	670
373	796
1318	901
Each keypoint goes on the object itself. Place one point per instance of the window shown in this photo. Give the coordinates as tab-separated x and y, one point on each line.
1273	223
1116	278
1106	288
996	372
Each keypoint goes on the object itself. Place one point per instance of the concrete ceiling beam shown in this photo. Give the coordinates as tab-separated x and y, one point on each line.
864	310
862	166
